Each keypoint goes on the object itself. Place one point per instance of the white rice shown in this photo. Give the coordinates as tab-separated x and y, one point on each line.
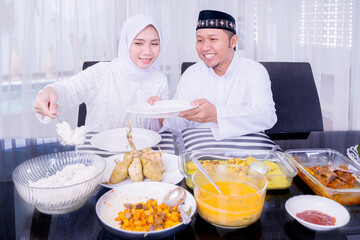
71	174
70	137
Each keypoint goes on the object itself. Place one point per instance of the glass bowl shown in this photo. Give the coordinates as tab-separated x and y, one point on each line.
58	193
280	174
242	198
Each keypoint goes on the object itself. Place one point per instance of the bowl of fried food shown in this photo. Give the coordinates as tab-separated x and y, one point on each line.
328	173
137	211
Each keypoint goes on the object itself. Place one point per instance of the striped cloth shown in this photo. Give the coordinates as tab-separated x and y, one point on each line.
202	139
166	145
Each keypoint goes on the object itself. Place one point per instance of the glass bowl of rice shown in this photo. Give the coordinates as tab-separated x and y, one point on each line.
59	183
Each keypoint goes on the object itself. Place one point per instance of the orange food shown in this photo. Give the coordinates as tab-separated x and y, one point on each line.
149	216
240	203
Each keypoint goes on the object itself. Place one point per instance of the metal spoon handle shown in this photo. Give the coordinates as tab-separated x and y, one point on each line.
58	118
185	217
202	170
271	151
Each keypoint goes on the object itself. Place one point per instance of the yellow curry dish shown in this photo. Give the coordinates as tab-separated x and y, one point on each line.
277	179
241	201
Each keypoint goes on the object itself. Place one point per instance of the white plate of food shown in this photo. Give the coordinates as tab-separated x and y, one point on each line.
171	172
160	109
112	202
115	140
317	213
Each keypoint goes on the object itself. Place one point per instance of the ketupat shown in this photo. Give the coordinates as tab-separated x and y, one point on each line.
120	171
136	170
151	170
155	157
136	164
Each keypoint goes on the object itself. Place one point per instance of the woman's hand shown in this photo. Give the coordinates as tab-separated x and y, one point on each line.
45	103
151	101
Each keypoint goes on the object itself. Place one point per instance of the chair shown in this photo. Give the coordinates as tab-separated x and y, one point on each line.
82	107
296	99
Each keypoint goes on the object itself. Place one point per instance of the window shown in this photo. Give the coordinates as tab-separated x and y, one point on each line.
326	23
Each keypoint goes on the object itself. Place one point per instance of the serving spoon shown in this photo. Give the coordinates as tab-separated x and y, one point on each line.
260	167
174	198
202	170
57	117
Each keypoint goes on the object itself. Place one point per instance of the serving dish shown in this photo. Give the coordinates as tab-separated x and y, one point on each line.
109	204
331	208
241	200
160	109
305	158
48	183
170	175
276	180
115	140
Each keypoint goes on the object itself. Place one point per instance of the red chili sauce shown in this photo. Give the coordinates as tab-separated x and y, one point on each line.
316	217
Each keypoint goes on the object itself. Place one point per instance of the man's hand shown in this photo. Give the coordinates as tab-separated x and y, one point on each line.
205	112
45	103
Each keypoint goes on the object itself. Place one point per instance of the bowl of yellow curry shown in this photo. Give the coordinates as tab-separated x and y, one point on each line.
280	171
241	200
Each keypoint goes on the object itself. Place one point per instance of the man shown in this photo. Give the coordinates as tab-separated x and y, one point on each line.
233	94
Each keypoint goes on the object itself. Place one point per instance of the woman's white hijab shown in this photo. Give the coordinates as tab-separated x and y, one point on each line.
130	28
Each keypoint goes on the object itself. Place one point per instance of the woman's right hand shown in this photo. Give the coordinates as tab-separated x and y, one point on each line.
153	99
45	103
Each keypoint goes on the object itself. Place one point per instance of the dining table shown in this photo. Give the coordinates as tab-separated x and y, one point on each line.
20	220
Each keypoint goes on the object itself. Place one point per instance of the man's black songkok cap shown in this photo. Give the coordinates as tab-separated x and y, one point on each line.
216	19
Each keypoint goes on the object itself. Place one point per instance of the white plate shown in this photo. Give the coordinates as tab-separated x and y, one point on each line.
109	204
160	109
171	174
115	140
301	203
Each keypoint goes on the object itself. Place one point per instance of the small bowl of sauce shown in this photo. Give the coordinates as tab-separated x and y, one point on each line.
317	213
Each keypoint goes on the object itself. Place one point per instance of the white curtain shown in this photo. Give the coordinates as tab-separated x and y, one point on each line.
324	33
42	41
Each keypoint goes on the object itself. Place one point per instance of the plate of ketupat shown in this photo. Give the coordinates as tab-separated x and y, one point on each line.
118	171
136	211
137	166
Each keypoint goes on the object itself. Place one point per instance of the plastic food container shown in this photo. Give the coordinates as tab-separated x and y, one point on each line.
304	158
242	198
276	180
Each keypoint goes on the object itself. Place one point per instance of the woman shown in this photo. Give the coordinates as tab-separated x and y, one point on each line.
107	88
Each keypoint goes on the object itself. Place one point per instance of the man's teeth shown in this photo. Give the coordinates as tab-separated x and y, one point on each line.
209	55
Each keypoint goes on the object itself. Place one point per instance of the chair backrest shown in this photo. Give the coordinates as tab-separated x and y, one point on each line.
296	99
82	107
